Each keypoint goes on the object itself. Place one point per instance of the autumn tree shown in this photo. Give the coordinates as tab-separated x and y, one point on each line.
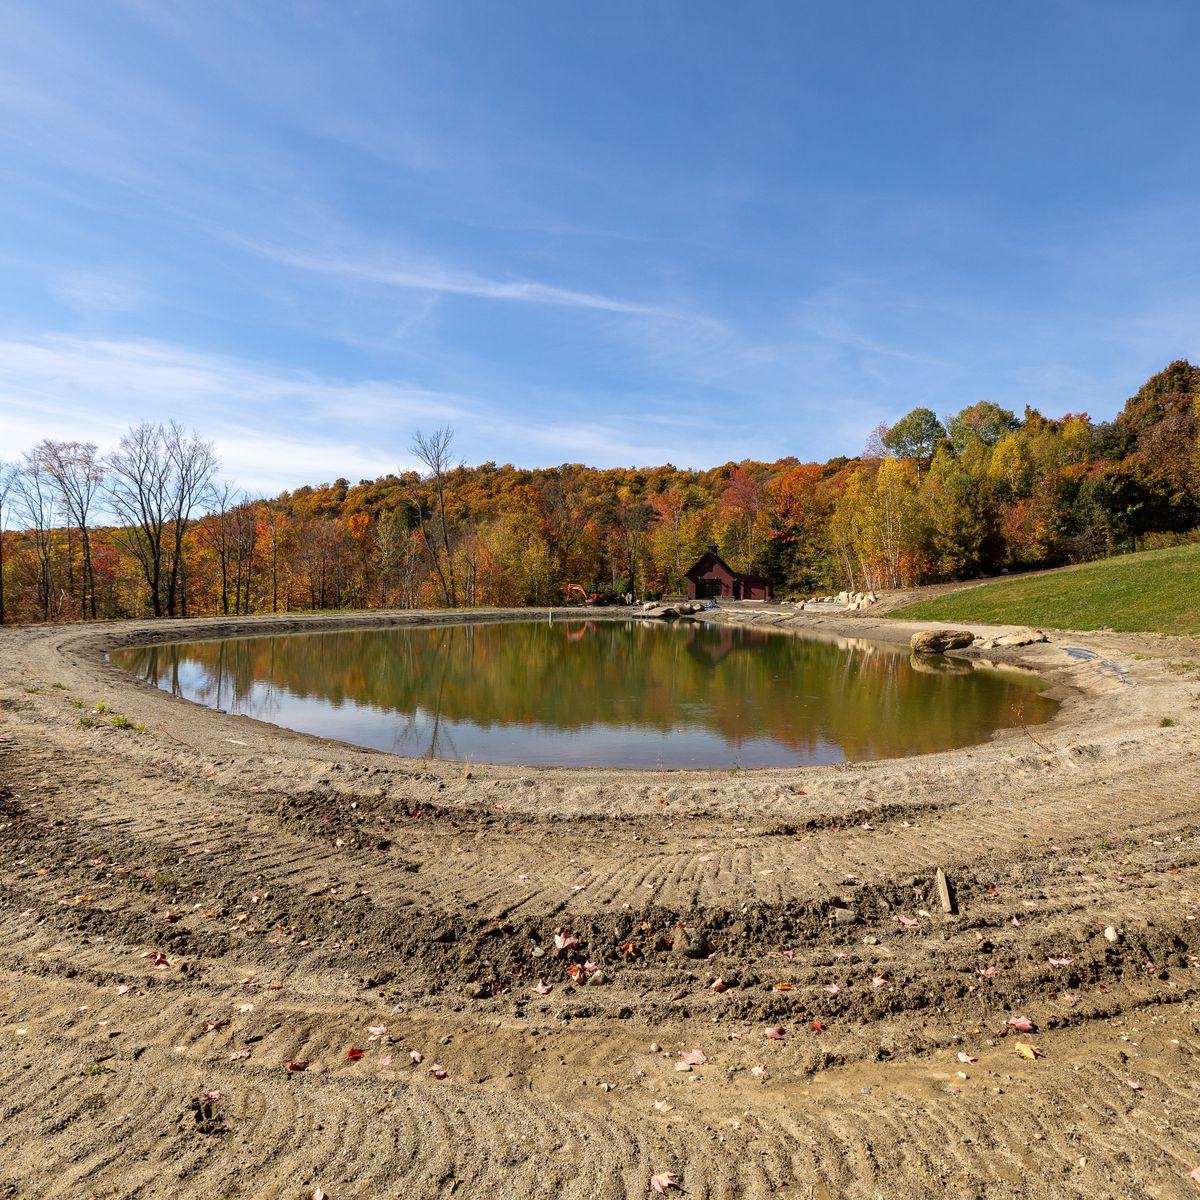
1132	498
668	509
959	516
876	528
986	421
1175	388
915	436
741	502
796	511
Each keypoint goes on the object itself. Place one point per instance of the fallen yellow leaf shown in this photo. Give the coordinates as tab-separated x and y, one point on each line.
1027	1050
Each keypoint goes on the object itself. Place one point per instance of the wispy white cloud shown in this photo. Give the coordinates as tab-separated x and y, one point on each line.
273	427
432	277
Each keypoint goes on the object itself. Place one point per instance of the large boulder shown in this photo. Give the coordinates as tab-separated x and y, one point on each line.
938	641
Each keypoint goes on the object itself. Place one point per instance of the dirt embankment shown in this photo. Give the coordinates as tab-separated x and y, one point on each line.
523	956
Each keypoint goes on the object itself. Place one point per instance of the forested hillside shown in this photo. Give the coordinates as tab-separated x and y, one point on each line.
149	528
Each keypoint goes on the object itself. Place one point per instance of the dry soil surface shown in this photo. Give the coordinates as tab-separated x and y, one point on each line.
242	962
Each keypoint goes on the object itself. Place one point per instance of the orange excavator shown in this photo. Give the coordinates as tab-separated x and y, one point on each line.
591	599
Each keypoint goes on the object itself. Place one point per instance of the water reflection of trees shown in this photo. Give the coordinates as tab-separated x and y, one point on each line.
739	684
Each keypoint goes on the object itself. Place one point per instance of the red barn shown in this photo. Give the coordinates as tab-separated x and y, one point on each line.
712	578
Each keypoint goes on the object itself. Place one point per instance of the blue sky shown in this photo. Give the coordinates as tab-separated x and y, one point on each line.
618	234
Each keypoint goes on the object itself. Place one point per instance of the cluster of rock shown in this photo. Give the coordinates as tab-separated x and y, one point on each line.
844	600
669	612
938	641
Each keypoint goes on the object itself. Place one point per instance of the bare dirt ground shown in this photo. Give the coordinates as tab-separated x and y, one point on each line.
527	959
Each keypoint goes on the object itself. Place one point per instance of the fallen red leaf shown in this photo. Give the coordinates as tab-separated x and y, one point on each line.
774	1032
695	1058
662	1181
299	1064
1021	1024
354	1053
817	1026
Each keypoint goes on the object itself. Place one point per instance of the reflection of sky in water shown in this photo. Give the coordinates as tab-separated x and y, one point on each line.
644	697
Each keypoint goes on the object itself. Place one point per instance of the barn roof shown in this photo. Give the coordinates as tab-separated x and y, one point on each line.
701	564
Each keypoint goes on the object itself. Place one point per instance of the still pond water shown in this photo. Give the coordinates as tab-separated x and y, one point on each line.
602	693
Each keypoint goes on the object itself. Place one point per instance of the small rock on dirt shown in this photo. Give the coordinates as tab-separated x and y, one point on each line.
691	943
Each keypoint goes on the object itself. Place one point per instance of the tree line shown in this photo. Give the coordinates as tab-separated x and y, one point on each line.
150	529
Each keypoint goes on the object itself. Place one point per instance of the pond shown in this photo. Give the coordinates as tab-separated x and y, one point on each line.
600	693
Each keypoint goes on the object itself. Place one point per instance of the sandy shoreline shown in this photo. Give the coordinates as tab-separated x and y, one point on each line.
424	897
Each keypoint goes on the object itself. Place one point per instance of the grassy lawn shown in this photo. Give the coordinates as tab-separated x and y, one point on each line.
1156	591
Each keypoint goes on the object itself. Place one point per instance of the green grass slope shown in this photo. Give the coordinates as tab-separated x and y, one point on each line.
1155	591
